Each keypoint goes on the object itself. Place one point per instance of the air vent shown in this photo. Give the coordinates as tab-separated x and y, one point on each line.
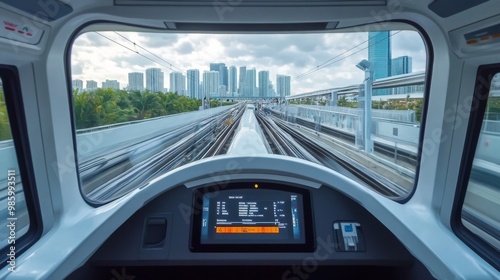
45	10
251	27
252	3
446	8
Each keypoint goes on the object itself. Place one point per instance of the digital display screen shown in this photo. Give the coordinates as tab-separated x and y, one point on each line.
252	217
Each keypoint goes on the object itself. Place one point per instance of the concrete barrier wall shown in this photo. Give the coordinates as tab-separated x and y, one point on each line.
92	143
397	132
488	148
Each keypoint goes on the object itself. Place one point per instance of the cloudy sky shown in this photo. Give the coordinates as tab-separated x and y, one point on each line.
94	57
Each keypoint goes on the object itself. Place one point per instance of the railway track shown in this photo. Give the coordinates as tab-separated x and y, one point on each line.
336	161
399	156
117	173
224	138
281	142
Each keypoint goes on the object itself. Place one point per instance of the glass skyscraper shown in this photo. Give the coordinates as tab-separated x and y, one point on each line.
211	84
379	54
263	84
155	80
77	84
114	84
136	81
282	85
232	81
251	83
91	85
401	65
193	83
177	83
222	69
242	81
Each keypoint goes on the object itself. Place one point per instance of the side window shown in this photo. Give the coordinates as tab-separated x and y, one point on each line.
480	213
18	221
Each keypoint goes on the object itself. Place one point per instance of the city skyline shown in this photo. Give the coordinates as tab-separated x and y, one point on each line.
290	55
181	84
262	85
379	54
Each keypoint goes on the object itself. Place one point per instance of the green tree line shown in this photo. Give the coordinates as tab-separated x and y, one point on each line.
109	106
414	104
401	104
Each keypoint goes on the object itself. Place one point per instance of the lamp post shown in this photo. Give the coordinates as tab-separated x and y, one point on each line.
365	65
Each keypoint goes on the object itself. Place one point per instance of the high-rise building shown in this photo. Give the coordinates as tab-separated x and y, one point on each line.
241	82
91	85
251	83
222	69
282	85
211	84
270	90
263	83
177	83
401	65
200	90
379	54
232	81
155	80
136	81
114	84
222	90
193	83
77	84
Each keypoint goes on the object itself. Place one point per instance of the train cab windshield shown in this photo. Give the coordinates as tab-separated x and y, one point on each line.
184	96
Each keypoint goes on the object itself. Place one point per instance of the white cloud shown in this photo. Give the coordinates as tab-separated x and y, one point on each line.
97	58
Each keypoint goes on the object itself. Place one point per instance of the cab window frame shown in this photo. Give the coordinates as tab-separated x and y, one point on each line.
483	83
11	85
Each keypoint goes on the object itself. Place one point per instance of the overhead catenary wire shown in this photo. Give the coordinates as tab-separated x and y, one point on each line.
326	64
134	51
135	44
171	65
320	65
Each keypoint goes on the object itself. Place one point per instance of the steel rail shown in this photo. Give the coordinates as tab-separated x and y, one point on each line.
326	156
224	137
